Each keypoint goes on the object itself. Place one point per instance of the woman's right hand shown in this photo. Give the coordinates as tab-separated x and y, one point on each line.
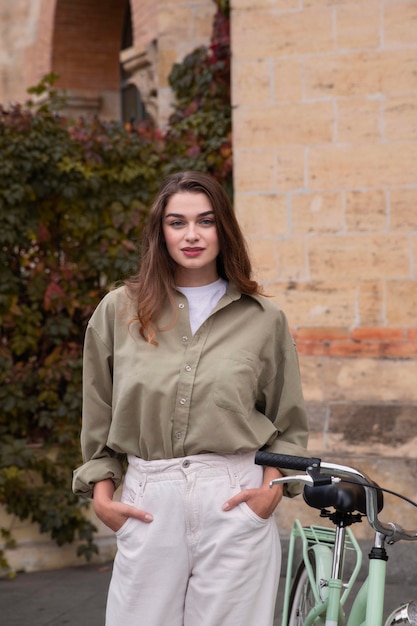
114	514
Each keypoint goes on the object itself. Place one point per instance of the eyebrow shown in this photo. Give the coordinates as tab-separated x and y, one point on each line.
181	215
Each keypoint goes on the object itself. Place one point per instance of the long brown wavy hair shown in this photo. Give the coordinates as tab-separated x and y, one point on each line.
155	281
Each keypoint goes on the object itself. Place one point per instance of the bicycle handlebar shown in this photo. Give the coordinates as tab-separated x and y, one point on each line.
285	461
315	470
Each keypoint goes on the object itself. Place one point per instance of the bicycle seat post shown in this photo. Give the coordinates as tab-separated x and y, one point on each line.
338	554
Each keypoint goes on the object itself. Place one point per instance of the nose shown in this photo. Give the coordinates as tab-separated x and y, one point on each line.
192	233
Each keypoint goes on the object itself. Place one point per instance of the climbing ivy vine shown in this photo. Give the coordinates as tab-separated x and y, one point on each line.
74	197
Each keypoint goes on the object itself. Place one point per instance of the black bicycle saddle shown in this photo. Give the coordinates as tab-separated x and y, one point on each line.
344	497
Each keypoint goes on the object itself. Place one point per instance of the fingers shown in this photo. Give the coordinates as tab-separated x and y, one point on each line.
143	516
262	501
115	514
240	497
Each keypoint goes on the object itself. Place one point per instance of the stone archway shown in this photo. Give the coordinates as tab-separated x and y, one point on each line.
82	41
85	54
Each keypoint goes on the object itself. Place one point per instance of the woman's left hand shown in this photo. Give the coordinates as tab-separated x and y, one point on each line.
262	500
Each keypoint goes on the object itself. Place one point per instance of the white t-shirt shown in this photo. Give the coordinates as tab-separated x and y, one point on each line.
202	300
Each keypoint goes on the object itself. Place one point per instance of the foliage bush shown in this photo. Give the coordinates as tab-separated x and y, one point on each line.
73	200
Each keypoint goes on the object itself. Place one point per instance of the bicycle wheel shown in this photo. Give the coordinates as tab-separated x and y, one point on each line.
302	598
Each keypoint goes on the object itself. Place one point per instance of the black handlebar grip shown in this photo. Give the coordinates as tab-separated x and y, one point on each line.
285	461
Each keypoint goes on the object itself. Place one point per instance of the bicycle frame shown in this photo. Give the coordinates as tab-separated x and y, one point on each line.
327	590
330	593
349	507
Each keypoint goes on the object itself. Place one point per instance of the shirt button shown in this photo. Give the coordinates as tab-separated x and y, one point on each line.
186	463
183	401
188	368
185	339
181	305
178	435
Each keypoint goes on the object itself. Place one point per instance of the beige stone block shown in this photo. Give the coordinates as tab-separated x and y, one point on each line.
358	25
262	33
311	377
366	210
166	60
47	555
371	303
203	22
291	168
358	120
288	79
285	5
360	257
399	23
263	256
400	117
165	106
362	165
172	5
291	259
36	551
249	5
414	256
262	214
251	82
254	170
403	213
402	303
175	25
370	380
325	303
144	21
295	123
361	74
387	429
317	212
329	3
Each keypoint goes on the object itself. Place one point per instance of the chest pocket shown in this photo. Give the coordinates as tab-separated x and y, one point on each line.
236	384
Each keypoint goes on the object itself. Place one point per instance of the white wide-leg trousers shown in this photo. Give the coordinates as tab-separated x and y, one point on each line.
195	564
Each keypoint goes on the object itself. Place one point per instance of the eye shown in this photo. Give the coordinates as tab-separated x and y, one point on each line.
176	223
208	221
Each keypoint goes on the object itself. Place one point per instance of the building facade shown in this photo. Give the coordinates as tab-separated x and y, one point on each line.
325	150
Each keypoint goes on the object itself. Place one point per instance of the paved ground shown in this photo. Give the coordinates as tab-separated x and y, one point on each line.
76	596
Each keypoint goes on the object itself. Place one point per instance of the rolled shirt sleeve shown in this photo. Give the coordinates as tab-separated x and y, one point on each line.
100	461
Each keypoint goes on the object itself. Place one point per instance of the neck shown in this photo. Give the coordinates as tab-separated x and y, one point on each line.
191	279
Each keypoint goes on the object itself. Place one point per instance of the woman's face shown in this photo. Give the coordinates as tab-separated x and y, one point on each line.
190	235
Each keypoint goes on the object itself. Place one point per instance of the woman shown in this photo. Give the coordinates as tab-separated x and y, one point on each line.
188	370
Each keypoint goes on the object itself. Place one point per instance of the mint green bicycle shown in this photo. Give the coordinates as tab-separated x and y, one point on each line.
315	591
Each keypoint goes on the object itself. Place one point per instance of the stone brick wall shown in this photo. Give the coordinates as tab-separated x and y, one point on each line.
324	130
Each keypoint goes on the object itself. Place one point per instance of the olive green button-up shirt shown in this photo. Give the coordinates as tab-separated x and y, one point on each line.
233	386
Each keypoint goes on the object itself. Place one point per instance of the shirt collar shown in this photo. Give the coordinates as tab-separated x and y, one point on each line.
234	294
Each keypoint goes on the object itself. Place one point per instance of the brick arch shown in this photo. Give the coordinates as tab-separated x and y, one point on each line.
86	43
80	41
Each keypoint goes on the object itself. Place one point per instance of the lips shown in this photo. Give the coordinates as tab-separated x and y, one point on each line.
191	252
